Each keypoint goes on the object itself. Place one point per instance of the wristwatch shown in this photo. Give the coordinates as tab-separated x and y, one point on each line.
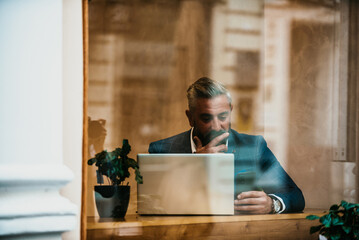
276	205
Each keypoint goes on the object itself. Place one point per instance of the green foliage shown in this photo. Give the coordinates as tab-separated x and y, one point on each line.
341	223
115	165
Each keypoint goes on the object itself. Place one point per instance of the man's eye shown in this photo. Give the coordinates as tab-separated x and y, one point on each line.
222	117
206	119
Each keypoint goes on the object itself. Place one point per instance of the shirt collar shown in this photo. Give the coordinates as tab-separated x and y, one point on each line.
193	145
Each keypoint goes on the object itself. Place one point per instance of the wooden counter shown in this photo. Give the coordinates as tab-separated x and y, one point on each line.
276	227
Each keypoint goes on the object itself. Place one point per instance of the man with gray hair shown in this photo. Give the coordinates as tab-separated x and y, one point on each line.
209	115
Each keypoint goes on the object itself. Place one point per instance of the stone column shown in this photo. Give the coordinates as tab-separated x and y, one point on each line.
31	122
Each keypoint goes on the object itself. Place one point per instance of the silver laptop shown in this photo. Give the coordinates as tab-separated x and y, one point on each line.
186	184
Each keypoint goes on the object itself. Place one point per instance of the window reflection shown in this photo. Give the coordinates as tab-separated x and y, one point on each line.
283	61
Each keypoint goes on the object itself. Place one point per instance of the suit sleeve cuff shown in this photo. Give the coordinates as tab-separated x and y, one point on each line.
281	201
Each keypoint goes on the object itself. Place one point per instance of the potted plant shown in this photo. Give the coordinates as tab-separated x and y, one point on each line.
341	223
112	200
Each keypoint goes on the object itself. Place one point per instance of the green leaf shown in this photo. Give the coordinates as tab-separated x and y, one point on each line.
139	178
334	207
121	172
315	229
335	237
126	148
91	161
132	163
101	155
112	156
336	220
117	151
108	157
356	231
347	229
312	217
115	165
347	205
326	220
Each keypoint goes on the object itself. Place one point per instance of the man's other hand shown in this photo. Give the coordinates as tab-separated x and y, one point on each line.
211	147
253	202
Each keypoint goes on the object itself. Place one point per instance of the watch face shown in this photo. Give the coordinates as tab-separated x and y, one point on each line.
276	205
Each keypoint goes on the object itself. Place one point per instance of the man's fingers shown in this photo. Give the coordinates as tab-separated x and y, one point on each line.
254	202
249	208
217	149
209	148
212	147
218	139
251	194
197	141
220	148
251	201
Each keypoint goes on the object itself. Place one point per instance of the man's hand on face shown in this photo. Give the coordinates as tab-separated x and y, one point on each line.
211	147
253	202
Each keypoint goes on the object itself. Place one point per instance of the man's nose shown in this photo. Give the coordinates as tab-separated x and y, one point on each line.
216	124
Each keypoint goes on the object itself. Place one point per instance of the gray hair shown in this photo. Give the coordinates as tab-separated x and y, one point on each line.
205	88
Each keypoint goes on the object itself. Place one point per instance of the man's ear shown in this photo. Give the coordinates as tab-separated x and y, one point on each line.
190	117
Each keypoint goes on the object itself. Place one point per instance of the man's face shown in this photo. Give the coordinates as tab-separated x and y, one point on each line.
210	114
